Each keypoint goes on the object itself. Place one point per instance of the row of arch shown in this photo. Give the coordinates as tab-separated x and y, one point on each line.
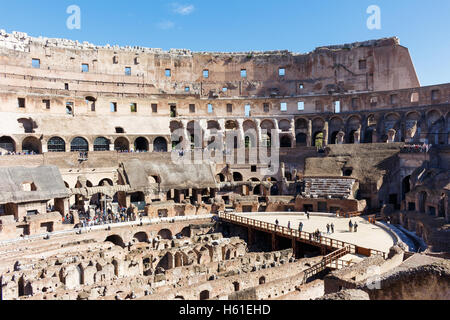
80	144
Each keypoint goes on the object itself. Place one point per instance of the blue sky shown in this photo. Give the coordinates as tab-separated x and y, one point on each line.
244	25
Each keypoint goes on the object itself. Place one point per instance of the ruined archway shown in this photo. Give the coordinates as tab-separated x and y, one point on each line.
117	240
32	145
160	145
165	234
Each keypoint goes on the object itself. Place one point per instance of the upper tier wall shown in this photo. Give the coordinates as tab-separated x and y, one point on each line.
368	66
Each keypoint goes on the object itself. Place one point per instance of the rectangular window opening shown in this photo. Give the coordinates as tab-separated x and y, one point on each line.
154	108
113	106
243	73
36	63
133	107
127	71
84	67
301	106
21	102
283	107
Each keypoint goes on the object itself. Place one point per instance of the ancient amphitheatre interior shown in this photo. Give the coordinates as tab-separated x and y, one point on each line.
86	132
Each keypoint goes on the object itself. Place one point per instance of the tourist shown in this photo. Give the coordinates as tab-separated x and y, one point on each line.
289	225
300	227
332	228
356	227
350	225
307	214
328	228
277	222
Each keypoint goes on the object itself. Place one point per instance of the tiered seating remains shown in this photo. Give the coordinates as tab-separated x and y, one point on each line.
328	188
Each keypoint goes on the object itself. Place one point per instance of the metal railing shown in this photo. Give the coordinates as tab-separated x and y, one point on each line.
327	261
303	236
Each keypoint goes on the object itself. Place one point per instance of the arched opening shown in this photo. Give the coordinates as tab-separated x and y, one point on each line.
301	124
117	240
79	145
406	186
160	145
368	136
351	137
220	178
166	262
285	142
422	201
262	280
333	139
101	144
318	139
441	206
7	144
165	234
106	183
56	144
204	295
121	144
237	177
141	145
137	197
141	237
186	232
32	145
301	139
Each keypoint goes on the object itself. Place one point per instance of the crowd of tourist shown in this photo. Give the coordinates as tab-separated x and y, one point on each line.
108	217
416	148
23	153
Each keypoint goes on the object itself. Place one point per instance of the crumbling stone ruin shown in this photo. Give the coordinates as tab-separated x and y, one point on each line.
118	166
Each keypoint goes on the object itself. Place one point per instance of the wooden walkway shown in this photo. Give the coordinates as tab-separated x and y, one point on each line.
304	237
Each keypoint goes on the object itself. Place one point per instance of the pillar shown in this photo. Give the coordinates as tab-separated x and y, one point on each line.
310	137
325	134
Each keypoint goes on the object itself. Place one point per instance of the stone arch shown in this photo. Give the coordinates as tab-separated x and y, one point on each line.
186	232
101	144
284	125
116	239
231	125
165	234
285	141
56	144
204	295
166	262
122	144
160	145
141	144
141	237
262	280
301	124
105	182
267	125
333	137
79	144
32	145
175	125
301	140
213	125
237	177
